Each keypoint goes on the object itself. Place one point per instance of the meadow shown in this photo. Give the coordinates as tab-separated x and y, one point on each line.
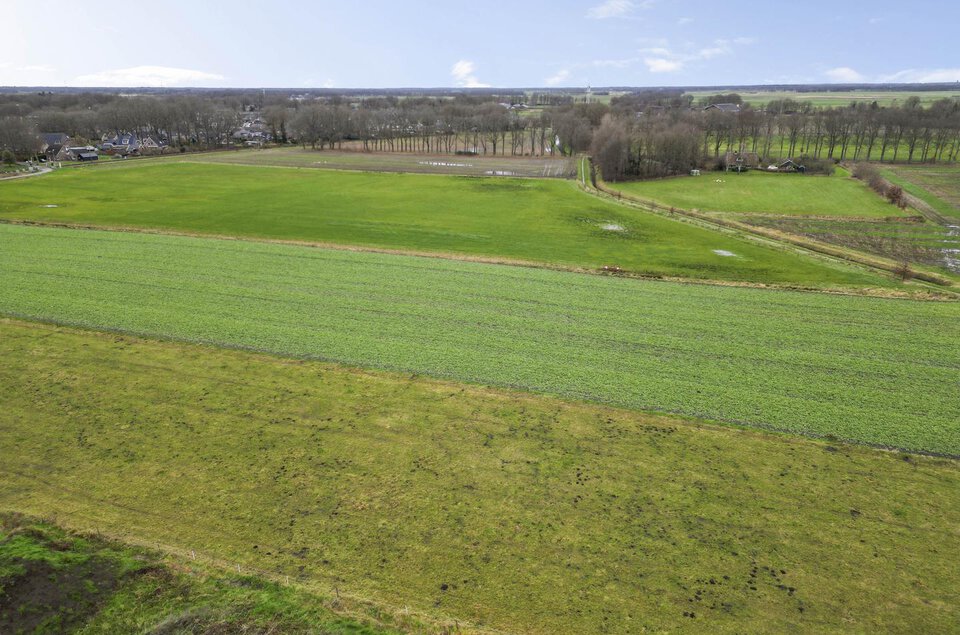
531	220
759	99
757	192
867	369
937	185
462	165
472	507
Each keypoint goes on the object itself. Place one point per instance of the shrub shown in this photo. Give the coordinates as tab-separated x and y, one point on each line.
895	195
8	157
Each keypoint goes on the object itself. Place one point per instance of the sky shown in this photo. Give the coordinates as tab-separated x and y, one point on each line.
419	43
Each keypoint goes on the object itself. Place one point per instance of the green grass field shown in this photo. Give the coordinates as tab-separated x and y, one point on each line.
757	192
759	99
868	369
53	581
504	510
564	167
544	221
937	185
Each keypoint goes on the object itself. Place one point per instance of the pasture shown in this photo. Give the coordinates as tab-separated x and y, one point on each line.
865	369
499	510
757	192
759	99
417	163
530	220
937	185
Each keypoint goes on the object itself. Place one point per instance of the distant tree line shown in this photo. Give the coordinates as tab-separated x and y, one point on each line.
656	137
636	135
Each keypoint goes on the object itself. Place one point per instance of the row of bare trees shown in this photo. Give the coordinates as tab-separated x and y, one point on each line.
909	132
646	133
433	127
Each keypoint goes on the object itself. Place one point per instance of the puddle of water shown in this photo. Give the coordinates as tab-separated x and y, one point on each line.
724	252
443	164
613	227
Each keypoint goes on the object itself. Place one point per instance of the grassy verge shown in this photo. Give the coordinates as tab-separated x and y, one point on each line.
458	503
54	581
537	220
868	369
758	192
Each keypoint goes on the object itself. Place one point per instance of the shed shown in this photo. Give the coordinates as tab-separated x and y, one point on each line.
88	156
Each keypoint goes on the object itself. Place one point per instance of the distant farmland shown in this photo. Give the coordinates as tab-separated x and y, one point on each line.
865	369
835	98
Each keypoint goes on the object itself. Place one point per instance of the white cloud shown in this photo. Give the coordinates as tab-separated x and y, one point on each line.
558	78
684	21
624	63
924	76
617	8
463	75
662	59
710	53
662	65
37	68
844	74
148	76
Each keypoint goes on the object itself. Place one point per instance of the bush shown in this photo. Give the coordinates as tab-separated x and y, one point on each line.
8	157
895	196
813	165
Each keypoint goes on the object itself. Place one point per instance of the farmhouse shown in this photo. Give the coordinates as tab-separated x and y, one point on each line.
49	139
741	161
53	145
125	143
732	108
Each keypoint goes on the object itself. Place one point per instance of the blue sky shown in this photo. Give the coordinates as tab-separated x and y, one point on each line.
379	43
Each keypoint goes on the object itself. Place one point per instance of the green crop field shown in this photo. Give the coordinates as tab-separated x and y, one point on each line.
867	369
758	192
538	220
759	99
508	511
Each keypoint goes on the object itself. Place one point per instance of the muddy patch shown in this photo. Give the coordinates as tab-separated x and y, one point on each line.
41	594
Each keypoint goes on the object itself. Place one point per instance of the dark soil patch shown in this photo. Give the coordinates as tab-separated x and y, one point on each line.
45	599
